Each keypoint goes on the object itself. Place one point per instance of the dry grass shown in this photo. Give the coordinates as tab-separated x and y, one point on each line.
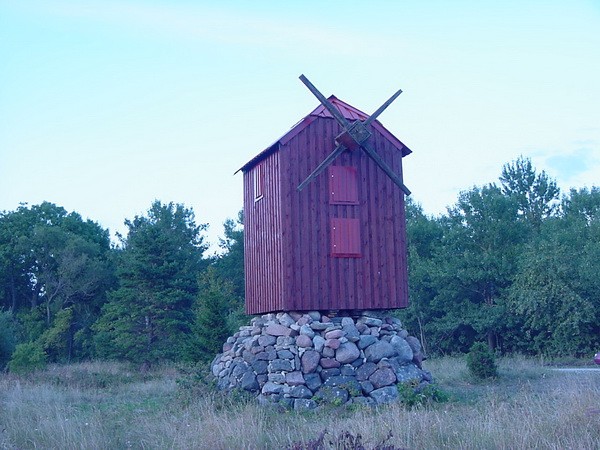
105	405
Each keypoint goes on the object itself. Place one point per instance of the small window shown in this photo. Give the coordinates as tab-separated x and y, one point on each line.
343	189
345	238
259	182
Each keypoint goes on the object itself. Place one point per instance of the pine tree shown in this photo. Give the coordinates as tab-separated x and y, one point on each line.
149	317
210	326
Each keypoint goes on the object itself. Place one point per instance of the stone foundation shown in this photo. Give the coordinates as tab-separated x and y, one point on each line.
304	360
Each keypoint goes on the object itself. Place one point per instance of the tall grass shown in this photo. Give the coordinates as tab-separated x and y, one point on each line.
106	405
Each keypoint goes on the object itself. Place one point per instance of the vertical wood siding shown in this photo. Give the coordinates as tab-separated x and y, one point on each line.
289	265
262	240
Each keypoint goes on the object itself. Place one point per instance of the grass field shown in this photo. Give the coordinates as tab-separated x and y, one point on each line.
111	406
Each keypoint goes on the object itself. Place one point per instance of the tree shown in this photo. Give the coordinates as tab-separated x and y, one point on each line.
53	260
476	264
557	291
148	318
536	194
210	316
229	268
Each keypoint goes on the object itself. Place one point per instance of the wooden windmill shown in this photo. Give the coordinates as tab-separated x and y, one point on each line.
335	242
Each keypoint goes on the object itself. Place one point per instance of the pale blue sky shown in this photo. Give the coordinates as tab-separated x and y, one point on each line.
108	105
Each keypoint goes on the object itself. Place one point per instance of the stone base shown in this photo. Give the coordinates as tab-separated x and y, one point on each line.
303	360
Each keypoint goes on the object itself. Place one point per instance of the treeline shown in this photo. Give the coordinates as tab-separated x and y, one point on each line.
67	294
512	263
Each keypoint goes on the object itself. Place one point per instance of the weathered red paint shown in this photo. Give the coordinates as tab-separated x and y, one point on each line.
289	263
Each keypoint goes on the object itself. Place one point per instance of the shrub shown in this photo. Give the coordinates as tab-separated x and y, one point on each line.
481	362
411	394
27	358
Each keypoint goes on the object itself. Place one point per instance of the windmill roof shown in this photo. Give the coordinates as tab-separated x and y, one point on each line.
349	112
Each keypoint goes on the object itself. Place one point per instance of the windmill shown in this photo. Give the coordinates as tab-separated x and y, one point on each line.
354	137
328	243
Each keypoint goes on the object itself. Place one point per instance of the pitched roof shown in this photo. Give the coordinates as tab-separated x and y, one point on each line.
349	112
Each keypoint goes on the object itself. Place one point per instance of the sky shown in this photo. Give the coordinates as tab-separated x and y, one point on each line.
106	106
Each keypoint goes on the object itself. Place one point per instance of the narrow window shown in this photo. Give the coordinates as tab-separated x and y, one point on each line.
259	181
343	189
345	238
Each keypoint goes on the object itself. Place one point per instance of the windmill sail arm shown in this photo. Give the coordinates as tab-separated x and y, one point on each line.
383	165
382	108
334	154
326	103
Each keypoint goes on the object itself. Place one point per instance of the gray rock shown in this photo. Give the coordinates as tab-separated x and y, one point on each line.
285	354
306	330
365	371
328	352
300	392
304	341
367	387
259	367
266	340
249	357
372	321
329	363
271	388
347	321
365	340
334	334
351	333
332	395
414	343
347	353
382	377
296	378
348	370
328	373
379	350
275	329
278	365
408	372
276	377
249	382
333	343
349	383
319	326
285	319
314	315
384	395
403	350
319	343
313	381
309	361
304	404
285	341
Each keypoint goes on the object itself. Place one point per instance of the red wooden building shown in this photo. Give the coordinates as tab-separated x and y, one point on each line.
340	242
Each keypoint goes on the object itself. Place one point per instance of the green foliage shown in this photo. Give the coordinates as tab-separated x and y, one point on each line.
51	260
57	340
8	337
481	362
26	358
210	321
149	317
411	394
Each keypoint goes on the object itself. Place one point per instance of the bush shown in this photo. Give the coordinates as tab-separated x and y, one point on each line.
411	394
481	362
27	358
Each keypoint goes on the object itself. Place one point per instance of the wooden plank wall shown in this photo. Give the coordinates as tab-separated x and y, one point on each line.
313	279
263	257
